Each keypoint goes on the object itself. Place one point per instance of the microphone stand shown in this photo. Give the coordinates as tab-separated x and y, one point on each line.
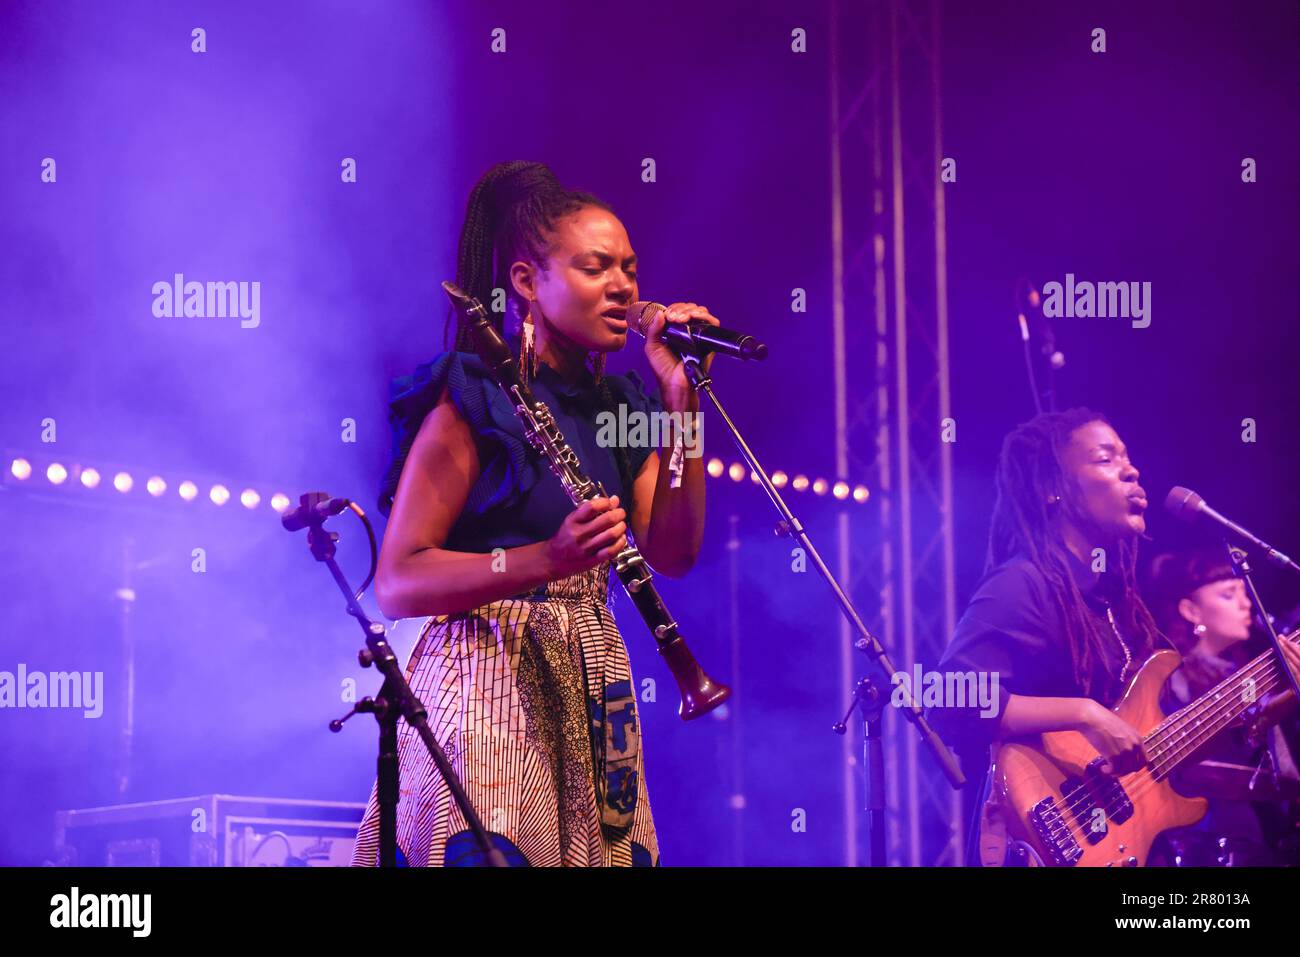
868	698
395	700
866	642
1241	566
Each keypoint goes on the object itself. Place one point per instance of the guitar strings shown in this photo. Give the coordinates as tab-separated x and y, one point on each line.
1191	712
1164	759
1170	739
1222	718
1166	732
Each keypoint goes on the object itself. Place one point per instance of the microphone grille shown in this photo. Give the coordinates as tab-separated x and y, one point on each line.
641	316
1183	503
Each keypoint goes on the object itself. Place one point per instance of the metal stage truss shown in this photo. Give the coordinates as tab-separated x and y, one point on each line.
892	390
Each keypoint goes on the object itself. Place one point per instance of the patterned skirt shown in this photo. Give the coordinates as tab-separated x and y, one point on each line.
533	701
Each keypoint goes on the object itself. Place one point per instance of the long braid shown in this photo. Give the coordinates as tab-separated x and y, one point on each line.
1139	620
492	221
1029	471
511	213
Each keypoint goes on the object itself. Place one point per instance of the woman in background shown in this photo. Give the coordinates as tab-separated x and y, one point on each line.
1248	770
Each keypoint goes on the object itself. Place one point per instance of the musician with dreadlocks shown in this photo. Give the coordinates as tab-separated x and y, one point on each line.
1057	615
521	666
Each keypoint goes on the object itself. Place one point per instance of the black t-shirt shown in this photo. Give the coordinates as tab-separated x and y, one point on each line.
1015	627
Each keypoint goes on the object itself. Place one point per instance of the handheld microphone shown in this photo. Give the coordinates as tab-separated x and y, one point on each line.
695	336
313	508
1188	506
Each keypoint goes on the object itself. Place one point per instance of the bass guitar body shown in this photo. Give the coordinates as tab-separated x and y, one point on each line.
1057	801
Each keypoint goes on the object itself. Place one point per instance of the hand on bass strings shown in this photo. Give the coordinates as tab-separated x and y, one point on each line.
1117	741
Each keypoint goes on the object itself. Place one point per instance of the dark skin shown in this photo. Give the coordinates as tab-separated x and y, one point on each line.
1109	507
1106	506
590	276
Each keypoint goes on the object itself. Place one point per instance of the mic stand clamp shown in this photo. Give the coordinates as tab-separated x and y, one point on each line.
868	698
1241	566
395	700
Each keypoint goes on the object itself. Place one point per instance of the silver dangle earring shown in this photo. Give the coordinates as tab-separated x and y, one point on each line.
528	349
1200	629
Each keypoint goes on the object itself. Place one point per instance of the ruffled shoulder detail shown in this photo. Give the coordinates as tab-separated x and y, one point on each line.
630	389
505	470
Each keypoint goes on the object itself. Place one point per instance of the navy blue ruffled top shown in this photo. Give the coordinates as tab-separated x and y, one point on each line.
516	499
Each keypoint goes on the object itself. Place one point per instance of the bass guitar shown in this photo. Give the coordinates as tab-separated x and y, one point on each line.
1052	795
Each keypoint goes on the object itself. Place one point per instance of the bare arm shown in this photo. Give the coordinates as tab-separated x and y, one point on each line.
1115	739
1024	715
669	522
417	576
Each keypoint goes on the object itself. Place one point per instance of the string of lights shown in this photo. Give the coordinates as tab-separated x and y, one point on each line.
26	470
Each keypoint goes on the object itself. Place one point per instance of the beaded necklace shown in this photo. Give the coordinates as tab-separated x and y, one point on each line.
1128	655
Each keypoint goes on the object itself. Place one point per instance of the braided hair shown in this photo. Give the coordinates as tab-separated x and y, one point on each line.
1029	472
512	213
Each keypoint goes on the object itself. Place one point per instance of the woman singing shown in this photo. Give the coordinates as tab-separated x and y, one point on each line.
1057	615
521	666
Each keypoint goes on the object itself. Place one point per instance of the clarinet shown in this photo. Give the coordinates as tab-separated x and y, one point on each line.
700	693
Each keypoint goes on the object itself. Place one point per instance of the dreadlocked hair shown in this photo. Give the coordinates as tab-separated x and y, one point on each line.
511	215
1029	473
